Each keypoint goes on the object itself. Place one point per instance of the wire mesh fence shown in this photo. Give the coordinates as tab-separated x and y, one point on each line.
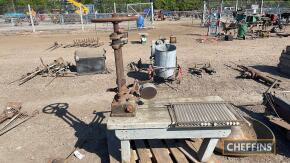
268	6
60	16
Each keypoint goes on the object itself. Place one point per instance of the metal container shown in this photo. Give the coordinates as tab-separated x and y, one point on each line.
165	60
90	61
173	40
148	91
242	30
154	44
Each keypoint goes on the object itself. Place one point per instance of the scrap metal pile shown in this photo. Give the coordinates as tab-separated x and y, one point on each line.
13	116
86	42
58	68
241	25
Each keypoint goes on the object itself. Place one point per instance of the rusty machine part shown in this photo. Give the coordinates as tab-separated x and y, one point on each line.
148	91
198	69
249	72
255	74
125	102
11	110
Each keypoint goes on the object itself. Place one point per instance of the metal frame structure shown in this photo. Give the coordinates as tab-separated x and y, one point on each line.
132	10
124	102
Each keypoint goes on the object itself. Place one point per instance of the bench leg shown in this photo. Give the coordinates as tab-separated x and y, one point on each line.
206	149
125	151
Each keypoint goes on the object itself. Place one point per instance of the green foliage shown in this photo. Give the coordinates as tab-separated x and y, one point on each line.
158	4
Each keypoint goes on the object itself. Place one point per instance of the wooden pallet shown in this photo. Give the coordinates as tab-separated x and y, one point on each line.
164	151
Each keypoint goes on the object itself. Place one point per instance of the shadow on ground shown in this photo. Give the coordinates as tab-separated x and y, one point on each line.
139	71
141	76
135	42
271	70
195	34
91	137
192	25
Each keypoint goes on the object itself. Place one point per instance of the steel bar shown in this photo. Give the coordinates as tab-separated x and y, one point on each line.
11	110
115	19
255	74
11	120
34	113
121	81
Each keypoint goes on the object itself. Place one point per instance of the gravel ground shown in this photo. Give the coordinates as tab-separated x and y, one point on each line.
84	99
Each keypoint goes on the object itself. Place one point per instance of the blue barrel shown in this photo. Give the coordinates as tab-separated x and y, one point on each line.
140	22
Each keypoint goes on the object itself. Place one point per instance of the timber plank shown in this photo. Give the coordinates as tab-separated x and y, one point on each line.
178	155
189	151
134	156
142	152
159	151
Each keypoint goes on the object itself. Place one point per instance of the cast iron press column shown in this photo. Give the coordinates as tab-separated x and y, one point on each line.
117	46
124	102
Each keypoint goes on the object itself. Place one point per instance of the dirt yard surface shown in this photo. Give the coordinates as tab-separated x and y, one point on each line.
83	100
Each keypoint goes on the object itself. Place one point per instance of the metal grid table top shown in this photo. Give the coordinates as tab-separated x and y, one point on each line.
215	114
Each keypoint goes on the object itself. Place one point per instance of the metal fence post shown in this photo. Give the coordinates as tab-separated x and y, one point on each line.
128	14
31	18
203	14
115	9
152	13
222	5
262	3
82	21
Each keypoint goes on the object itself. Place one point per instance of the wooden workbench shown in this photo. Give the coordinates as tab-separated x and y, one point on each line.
152	121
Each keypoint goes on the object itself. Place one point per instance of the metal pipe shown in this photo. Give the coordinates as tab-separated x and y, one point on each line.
152	13
114	19
115	9
117	46
121	81
262	5
204	12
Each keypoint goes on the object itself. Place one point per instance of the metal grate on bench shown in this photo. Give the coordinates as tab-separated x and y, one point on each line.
217	114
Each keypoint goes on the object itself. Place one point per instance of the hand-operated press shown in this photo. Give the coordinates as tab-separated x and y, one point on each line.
125	101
